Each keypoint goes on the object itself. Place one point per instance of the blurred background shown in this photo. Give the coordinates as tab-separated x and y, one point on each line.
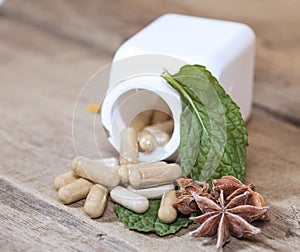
49	50
49	44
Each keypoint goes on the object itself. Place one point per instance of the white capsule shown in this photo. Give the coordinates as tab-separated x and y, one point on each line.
155	192
130	200
110	162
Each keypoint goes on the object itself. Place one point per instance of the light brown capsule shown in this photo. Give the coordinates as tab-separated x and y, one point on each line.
146	141
161	138
166	212
95	202
64	179
159	116
125	170
166	126
110	162
98	173
141	120
154	175
129	147
74	191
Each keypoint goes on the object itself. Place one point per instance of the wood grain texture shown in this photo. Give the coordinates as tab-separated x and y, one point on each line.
104	26
48	50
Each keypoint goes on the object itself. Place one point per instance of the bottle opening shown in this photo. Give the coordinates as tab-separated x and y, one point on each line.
154	129
152	108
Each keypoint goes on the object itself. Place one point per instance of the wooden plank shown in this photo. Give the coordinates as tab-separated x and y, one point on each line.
27	210
42	72
41	78
40	226
104	26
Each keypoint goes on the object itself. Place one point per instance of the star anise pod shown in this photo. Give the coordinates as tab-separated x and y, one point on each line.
185	202
222	220
232	187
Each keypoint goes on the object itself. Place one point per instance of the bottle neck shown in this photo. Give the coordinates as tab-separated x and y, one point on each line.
134	95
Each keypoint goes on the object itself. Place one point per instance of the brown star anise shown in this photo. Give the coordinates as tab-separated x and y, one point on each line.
185	202
222	220
232	187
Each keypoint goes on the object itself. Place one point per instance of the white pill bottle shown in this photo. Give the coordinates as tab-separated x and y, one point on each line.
225	48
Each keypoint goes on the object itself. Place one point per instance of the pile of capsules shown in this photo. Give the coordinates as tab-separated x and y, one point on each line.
129	183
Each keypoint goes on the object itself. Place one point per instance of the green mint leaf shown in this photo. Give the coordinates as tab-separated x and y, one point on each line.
189	126
213	136
148	221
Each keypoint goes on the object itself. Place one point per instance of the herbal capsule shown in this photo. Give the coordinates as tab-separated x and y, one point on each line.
141	120
161	138
155	192
154	175
98	173
74	191
146	141
64	179
108	162
95	202
166	212
130	200
159	116
166	126
129	147
125	170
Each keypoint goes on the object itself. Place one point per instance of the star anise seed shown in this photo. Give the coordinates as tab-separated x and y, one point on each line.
185	202
228	184
222	220
232	187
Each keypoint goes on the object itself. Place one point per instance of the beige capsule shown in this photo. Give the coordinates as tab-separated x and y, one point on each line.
98	173
154	175
125	170
159	116
166	126
166	212
74	191
146	141
130	200
161	138
95	202
141	120
110	162
64	179
129	152
155	192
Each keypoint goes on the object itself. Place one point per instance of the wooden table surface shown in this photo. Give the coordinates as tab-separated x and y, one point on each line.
49	49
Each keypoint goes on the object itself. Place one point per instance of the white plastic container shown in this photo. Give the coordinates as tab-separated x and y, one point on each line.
171	41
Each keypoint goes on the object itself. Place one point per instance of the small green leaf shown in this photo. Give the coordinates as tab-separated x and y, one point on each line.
148	221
